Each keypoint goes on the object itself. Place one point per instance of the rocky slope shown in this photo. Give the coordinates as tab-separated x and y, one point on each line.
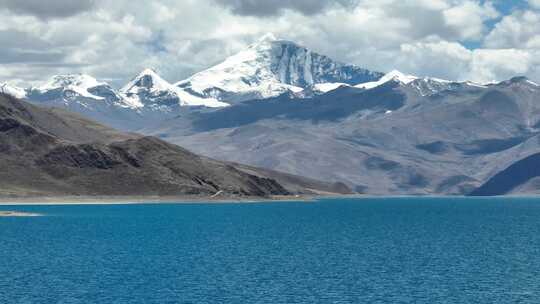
50	152
419	136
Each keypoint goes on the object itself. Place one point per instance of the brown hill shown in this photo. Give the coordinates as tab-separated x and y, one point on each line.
50	152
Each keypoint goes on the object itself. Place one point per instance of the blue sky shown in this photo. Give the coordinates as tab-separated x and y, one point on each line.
480	40
507	6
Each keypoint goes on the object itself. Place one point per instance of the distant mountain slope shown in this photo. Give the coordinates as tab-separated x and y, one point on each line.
519	178
283	107
145	98
423	136
271	67
48	152
85	95
268	68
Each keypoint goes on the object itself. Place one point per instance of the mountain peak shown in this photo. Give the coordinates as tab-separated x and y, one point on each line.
523	79
394	75
147	79
149	88
6	88
66	80
399	76
149	71
268	37
271	67
81	84
269	41
78	91
518	80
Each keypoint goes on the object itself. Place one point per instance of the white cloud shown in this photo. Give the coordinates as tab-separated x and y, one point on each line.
515	31
468	19
441	59
116	39
534	3
496	64
450	60
162	13
47	9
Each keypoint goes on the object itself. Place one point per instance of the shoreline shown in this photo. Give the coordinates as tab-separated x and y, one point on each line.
133	200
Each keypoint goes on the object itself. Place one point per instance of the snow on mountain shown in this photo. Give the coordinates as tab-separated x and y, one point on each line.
475	84
149	89
149	80
78	83
425	86
327	87
319	89
518	81
391	76
80	89
271	67
430	86
533	83
14	91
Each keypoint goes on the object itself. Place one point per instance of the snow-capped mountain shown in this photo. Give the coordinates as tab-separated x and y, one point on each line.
425	86
14	91
87	96
271	67
402	135
149	89
147	97
268	68
81	90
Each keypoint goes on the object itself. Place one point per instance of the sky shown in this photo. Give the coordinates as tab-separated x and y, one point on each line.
478	40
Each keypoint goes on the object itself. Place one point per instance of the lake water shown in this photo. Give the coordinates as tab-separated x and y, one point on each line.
403	250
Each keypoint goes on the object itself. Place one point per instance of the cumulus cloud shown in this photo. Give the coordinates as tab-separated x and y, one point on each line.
468	18
451	60
534	3
275	7
442	59
114	40
21	47
49	8
496	64
519	30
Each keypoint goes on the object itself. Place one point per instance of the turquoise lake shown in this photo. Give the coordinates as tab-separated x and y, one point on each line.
386	250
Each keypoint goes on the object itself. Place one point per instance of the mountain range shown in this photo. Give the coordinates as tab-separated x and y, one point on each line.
271	67
52	152
281	106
